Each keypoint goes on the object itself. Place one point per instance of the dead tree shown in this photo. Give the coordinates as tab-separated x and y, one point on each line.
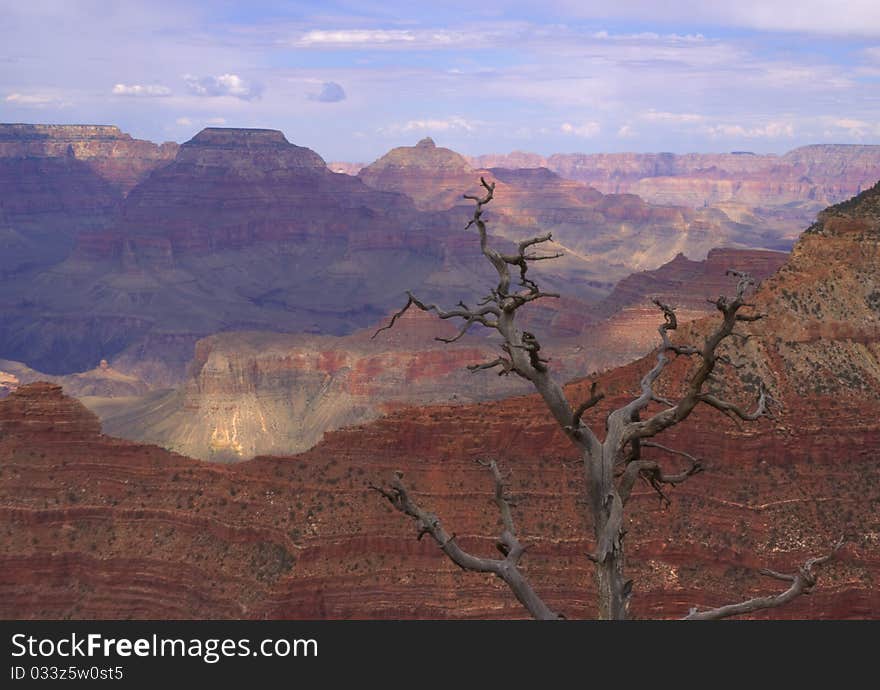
611	466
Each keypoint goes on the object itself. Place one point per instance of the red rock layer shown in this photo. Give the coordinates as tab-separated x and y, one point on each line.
256	393
115	529
97	527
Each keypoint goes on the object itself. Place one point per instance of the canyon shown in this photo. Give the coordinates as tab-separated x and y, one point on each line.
816	175
615	229
99	527
131	252
251	393
59	180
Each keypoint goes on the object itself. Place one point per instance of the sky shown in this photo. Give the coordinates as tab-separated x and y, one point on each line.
352	79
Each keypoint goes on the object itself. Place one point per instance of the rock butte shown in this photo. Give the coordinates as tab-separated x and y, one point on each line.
110	153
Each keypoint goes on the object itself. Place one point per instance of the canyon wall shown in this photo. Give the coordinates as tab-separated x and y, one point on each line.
257	393
821	174
97	527
110	153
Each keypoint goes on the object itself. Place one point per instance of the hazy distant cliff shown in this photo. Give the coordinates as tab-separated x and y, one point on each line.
822	174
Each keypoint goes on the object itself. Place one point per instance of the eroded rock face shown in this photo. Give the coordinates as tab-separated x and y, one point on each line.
103	381
57	181
116	529
780	194
257	393
611	234
113	155
822	174
431	176
623	326
243	230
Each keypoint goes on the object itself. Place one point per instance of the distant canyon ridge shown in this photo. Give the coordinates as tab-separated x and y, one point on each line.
821	174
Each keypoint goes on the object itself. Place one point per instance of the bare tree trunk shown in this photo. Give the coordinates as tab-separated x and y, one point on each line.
612	599
607	513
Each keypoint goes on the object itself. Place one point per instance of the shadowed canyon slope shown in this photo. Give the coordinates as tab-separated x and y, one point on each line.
59	180
242	230
98	527
123	250
257	393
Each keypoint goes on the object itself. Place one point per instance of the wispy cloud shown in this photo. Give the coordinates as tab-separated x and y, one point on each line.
149	90
222	85
189	121
586	130
772	130
674	118
36	100
850	127
859	17
436	125
379	38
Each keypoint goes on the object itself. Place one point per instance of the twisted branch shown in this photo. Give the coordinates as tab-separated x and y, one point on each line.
802	582
694	395
653	474
510	547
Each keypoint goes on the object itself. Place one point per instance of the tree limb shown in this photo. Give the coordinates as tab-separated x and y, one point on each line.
586	405
802	582
729	309
506	569
653	473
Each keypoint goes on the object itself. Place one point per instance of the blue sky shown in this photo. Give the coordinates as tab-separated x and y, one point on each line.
353	79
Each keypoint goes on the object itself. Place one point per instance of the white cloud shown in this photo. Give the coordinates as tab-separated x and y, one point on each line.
433	125
626	132
189	121
149	90
851	127
36	100
772	130
335	39
381	38
222	85
860	17
675	118
586	129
